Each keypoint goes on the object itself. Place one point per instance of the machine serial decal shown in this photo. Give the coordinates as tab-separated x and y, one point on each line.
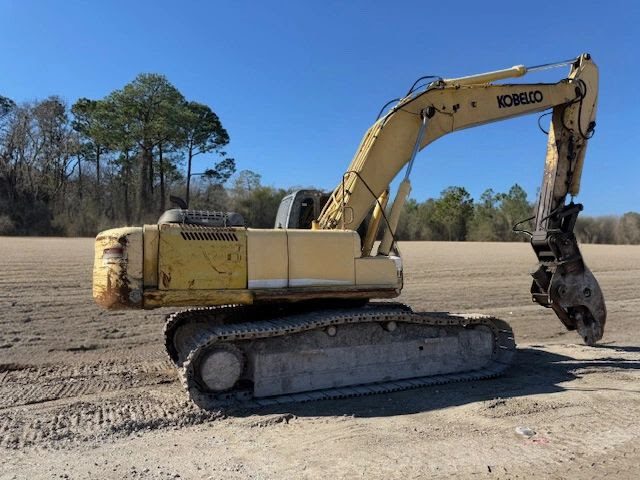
523	98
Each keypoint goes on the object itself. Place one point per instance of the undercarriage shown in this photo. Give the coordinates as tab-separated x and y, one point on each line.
265	355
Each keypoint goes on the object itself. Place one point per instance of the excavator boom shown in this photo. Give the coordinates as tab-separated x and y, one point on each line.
451	105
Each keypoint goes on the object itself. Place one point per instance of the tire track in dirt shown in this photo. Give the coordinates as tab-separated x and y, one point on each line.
31	384
70	423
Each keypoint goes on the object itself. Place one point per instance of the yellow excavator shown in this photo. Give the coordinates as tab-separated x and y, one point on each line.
285	314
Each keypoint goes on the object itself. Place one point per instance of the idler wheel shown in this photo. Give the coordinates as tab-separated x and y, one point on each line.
221	367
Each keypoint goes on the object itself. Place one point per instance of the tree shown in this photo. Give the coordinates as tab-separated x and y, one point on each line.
37	152
121	142
90	120
258	204
628	229
144	131
203	132
148	110
57	146
417	222
408	223
453	210
514	208
221	172
482	227
6	106
246	181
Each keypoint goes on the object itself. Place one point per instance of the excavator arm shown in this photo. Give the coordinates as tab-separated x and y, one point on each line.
562	281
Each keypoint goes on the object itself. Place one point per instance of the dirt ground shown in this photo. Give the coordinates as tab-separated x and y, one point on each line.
86	393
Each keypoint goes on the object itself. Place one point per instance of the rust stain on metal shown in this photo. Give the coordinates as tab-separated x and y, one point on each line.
117	280
179	298
166	279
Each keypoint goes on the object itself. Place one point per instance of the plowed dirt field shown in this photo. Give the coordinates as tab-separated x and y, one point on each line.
86	393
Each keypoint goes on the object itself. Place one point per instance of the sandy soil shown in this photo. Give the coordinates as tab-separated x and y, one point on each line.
86	393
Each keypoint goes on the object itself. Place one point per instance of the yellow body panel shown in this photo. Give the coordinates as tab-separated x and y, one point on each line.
318	257
191	257
301	258
205	298
267	258
376	271
150	264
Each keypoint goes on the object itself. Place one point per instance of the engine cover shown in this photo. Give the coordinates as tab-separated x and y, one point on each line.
204	218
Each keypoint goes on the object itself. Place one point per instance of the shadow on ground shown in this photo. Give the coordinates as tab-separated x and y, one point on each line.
534	371
620	348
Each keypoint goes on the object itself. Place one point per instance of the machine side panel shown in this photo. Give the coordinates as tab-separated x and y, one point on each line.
376	271
150	251
318	257
203	298
267	258
199	258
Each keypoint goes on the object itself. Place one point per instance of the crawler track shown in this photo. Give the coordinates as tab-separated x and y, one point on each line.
203	328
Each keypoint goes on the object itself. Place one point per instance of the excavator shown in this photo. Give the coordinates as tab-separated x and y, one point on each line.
293	314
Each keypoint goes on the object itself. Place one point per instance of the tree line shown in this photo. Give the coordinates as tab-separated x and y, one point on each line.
455	216
99	163
74	170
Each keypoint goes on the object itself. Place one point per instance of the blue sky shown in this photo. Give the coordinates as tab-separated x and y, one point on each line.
297	83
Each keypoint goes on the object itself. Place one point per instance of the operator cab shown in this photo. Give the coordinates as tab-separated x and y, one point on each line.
300	208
